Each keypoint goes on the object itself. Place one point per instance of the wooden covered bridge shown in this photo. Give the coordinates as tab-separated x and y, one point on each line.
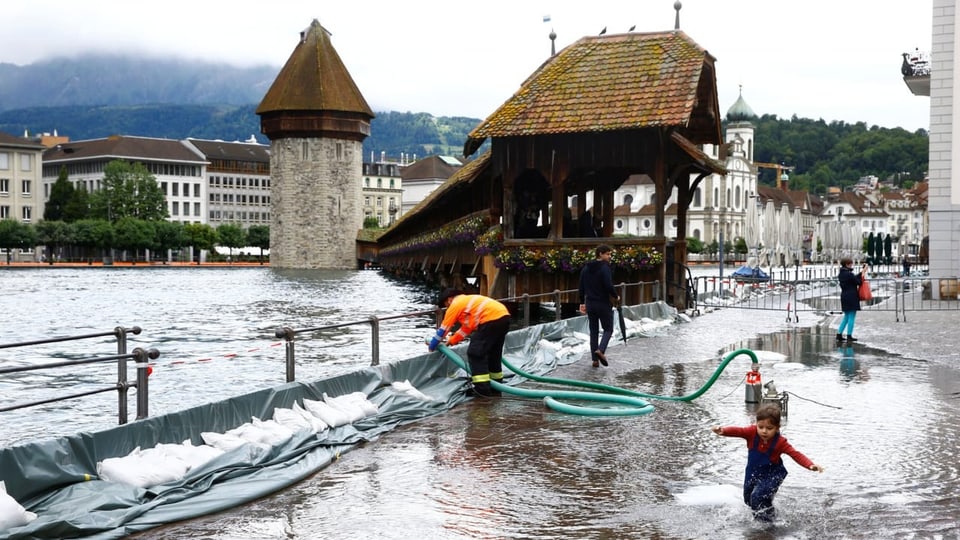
524	216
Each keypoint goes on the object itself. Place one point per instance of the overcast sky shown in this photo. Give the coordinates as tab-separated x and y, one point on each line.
829	59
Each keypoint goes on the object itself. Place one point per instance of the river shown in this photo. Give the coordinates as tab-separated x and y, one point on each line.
214	329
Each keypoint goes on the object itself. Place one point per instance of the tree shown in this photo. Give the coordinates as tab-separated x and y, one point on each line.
740	246
60	194
694	245
53	235
231	236
78	207
134	234
16	235
200	236
128	191
258	236
371	222
93	233
170	235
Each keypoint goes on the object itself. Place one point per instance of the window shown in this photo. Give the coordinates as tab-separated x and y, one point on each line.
176	189
25	161
27	213
163	188
186	189
4	185
391	183
196	209
367	181
4	212
196	190
4	160
379	182
646	224
628	200
175	208
379	202
25	187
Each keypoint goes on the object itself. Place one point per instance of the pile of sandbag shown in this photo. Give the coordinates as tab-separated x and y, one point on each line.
171	462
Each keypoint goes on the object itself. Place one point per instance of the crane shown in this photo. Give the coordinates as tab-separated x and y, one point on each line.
780	168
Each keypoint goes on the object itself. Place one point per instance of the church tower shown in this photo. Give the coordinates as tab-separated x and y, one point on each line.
316	120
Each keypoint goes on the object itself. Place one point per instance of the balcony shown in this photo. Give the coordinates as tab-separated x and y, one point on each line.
916	72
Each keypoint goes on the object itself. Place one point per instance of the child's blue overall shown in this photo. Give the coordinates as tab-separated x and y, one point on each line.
762	480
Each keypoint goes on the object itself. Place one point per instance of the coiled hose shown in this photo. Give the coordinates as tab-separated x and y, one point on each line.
633	400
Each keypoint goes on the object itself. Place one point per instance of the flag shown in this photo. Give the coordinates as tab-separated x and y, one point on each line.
546	18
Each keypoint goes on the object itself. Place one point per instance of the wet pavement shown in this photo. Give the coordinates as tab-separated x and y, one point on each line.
880	415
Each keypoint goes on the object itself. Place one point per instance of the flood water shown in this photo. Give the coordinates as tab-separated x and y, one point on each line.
884	426
214	329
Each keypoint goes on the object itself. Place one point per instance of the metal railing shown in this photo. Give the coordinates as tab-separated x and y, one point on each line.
139	355
893	294
525	301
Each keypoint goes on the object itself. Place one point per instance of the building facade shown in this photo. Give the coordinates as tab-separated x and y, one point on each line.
382	187
237	179
179	168
21	197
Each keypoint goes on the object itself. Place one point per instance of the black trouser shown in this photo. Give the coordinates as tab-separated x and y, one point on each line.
486	350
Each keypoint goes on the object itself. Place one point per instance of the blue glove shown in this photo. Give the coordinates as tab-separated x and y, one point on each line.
435	340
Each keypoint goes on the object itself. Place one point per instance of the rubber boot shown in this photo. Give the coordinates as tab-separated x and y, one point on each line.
481	389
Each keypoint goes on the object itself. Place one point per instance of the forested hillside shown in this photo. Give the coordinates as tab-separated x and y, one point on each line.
838	154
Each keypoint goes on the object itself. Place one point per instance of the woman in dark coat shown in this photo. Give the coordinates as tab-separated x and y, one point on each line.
849	297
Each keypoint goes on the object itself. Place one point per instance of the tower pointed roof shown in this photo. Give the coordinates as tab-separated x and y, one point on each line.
314	79
740	111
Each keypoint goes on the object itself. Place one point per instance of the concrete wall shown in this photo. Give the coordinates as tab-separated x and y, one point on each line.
944	201
316	202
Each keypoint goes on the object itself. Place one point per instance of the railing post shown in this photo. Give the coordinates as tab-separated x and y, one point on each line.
556	301
526	309
375	339
143	373
121	334
288	335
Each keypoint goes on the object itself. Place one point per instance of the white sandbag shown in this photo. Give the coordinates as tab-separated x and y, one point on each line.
142	468
254	433
318	424
330	415
292	419
193	456
407	389
355	404
274	432
12	514
223	441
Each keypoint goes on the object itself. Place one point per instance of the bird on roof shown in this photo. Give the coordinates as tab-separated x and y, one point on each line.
604	31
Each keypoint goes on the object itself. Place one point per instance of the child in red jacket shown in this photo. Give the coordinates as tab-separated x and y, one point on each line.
765	470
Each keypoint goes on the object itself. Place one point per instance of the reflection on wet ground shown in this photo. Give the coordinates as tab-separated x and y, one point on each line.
884	426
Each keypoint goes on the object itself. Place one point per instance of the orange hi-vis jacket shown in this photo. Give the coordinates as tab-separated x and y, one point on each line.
470	310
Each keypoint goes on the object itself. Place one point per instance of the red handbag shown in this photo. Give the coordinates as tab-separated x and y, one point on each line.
865	292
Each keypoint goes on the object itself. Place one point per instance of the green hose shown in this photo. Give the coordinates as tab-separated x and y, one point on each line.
610	394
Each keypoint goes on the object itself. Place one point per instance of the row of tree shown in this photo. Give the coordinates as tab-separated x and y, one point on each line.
89	239
128	212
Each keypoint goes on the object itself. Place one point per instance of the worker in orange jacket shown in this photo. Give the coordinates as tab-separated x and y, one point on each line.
489	322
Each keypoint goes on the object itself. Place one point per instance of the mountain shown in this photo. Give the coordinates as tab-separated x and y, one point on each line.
97	80
96	96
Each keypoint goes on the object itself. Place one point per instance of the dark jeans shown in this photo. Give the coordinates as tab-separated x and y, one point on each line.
599	314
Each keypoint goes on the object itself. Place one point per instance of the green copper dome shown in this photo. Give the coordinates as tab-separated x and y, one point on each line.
740	111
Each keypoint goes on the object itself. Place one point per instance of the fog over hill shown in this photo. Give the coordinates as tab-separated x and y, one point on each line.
94	96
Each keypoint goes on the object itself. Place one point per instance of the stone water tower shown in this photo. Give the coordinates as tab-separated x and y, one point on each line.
316	120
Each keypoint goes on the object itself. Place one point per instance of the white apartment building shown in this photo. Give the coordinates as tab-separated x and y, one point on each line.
237	178
179	169
20	181
382	188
